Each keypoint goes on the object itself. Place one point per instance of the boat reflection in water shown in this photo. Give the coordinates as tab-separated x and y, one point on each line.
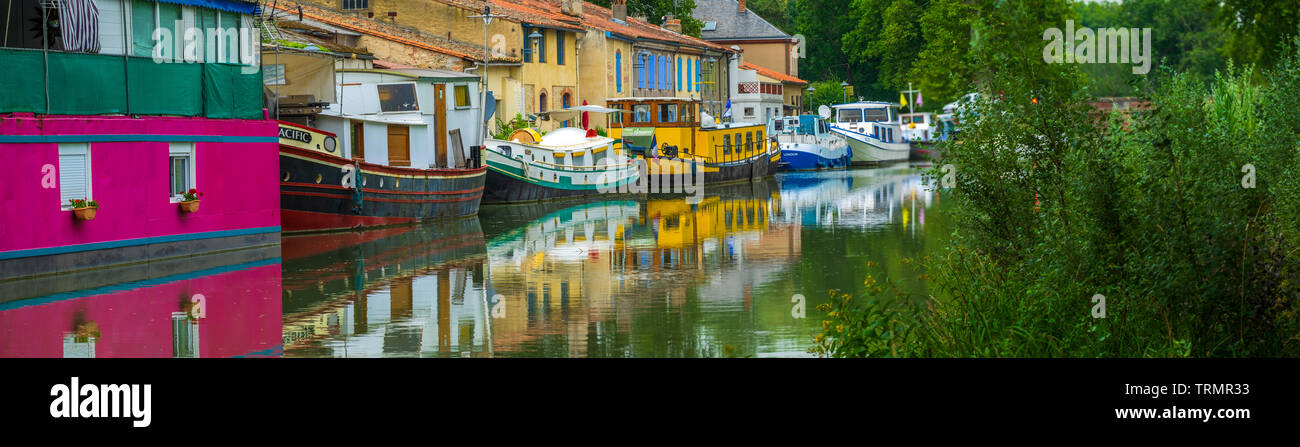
223	305
402	291
658	277
623	277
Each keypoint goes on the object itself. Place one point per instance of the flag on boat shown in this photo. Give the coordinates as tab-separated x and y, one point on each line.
902	100
727	114
79	21
918	99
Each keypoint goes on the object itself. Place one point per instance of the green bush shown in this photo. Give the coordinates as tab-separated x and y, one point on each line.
1055	203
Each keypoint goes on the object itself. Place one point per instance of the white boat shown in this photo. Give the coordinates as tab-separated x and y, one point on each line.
917	127
872	130
566	162
806	143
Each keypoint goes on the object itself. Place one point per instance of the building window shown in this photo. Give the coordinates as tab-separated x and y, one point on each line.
559	48
749	112
462	97
541	102
181	164
74	173
356	4
618	71
397	98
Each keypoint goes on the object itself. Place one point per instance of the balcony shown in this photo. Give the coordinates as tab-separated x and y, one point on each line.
117	74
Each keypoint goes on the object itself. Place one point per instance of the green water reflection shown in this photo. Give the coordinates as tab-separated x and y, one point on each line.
657	277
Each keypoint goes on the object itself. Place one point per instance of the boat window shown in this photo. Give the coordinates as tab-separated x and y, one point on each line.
778	125
397	98
850	115
726	144
749	141
667	113
876	115
688	113
616	118
641	113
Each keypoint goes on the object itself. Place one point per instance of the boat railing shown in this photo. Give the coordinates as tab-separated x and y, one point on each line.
569	167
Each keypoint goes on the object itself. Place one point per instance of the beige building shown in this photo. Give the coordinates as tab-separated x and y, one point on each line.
768	50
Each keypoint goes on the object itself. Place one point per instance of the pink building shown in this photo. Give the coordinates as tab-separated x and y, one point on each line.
94	112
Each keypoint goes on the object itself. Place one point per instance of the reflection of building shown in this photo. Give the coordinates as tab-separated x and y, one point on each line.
577	279
238	314
402	291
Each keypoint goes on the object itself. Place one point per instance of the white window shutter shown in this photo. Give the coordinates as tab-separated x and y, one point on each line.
74	172
112	34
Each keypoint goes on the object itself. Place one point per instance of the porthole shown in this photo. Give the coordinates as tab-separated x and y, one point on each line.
319	177
285	177
397	184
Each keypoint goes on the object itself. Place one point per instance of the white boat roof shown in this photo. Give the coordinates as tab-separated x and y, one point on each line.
865	104
564	140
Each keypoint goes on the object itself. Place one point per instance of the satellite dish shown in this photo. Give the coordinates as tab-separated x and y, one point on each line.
824	112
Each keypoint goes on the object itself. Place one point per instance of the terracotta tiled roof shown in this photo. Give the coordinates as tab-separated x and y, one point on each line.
548	13
390	32
784	78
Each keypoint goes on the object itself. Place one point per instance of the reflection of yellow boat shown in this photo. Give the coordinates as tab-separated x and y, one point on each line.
680	226
663	129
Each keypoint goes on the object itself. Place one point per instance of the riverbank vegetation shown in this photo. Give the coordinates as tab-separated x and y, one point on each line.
1183	218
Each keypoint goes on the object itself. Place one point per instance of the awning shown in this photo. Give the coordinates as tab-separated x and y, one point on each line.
575	111
238	6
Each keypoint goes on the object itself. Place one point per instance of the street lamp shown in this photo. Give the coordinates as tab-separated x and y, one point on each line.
845	86
487	62
536	38
808	103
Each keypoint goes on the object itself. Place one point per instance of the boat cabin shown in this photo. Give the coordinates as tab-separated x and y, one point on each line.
414	118
874	118
674	128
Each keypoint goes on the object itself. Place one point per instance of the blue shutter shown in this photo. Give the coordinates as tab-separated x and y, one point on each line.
698	78
640	71
528	47
559	48
690	80
541	47
662	73
618	72
679	74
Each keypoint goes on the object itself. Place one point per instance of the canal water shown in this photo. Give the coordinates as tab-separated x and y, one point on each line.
739	273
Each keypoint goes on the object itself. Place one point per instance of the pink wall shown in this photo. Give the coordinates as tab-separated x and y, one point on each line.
131	181
242	314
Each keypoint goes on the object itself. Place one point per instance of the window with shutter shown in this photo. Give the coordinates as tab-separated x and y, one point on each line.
74	173
181	165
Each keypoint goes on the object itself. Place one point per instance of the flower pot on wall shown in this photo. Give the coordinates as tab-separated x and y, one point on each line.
190	206
87	213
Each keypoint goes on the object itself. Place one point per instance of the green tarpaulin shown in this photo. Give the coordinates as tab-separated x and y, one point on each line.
95	84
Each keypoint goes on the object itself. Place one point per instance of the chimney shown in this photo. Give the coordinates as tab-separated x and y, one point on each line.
674	25
619	10
571	7
742	6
